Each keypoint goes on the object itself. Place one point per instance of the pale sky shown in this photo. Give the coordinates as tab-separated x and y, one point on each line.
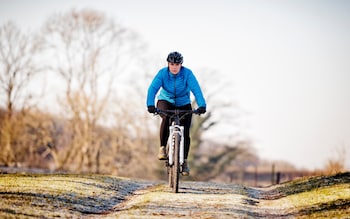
289	61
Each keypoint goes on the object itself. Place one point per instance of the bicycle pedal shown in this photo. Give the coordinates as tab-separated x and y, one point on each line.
185	173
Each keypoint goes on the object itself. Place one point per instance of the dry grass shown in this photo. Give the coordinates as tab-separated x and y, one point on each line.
66	196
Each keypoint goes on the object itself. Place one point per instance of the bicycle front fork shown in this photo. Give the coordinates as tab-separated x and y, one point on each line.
173	130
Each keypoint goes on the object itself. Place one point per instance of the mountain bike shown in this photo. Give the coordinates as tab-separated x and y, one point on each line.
175	145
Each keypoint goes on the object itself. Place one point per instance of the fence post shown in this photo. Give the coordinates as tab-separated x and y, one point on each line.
273	174
256	176
278	179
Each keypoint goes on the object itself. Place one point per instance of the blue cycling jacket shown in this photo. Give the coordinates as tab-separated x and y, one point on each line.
176	88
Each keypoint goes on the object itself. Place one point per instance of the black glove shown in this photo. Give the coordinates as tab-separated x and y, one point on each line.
151	109
201	110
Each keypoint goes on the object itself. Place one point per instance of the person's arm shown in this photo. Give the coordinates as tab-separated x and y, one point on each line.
196	90
153	89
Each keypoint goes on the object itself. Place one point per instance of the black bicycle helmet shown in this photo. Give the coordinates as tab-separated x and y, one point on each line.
175	57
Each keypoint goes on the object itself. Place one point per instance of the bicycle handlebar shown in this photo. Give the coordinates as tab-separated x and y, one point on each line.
175	112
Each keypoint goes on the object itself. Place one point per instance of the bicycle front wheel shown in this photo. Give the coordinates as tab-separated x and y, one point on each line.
176	165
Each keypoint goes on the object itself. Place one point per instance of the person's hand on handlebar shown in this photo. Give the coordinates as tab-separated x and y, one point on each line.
151	109
201	110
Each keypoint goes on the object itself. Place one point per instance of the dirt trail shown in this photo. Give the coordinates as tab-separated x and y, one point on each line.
195	200
98	196
211	200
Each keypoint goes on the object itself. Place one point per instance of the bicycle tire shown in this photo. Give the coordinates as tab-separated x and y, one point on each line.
176	166
169	167
170	176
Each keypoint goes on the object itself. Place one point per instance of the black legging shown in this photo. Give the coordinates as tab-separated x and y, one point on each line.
164	126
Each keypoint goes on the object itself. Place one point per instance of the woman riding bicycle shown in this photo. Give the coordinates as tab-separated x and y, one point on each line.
176	82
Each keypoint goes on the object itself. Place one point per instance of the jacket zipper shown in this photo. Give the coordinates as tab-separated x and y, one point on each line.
175	90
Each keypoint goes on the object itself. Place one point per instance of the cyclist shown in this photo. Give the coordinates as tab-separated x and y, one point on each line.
176	82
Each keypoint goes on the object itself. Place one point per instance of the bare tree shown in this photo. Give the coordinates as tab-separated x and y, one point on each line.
138	151
89	51
17	69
